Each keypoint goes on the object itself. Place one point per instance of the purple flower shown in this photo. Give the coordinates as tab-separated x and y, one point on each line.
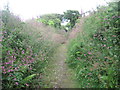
23	52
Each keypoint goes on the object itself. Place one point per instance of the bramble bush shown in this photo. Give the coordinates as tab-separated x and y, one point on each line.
24	53
94	54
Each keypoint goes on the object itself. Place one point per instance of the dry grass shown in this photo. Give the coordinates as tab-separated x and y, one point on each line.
47	32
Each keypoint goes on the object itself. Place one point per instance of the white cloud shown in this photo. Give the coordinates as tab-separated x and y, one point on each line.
31	8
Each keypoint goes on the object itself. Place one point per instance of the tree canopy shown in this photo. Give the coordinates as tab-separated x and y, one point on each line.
71	15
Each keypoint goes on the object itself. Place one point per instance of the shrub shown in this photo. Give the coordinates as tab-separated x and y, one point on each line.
94	54
24	52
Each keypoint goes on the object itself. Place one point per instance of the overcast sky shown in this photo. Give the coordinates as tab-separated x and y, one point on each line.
31	8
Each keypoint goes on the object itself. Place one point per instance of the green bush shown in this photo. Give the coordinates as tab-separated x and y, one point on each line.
24	52
94	54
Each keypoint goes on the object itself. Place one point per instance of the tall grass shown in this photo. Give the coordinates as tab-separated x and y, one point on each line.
25	51
94	54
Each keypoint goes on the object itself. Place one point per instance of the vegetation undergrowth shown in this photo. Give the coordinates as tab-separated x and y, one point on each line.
25	52
94	54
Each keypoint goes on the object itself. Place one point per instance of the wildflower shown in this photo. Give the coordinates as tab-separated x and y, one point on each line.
16	83
16	69
12	70
113	16
14	78
4	72
2	67
5	32
104	45
105	18
7	63
89	53
9	70
27	84
113	35
23	52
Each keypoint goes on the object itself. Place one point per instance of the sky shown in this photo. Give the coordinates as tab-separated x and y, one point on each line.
27	9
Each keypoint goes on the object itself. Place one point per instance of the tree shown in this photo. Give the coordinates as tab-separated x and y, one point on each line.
52	20
71	15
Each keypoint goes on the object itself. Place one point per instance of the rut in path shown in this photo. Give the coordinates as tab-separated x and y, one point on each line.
58	74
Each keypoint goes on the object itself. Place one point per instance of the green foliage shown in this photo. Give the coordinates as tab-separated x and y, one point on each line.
51	19
24	52
94	54
28	78
71	15
55	20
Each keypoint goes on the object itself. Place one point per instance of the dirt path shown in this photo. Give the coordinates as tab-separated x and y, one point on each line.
58	74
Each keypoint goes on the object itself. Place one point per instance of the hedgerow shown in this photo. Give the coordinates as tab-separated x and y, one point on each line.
24	53
94	54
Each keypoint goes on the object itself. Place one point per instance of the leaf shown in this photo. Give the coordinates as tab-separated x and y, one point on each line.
104	77
25	80
77	52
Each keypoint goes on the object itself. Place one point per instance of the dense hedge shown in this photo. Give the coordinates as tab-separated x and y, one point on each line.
94	54
24	53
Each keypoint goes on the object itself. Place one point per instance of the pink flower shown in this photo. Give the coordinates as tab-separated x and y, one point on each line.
104	45
12	70
14	78
89	53
113	35
5	32
27	84
16	69
9	70
105	18
4	72
7	63
16	83
2	67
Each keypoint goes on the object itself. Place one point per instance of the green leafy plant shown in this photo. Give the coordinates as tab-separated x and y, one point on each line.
94	53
